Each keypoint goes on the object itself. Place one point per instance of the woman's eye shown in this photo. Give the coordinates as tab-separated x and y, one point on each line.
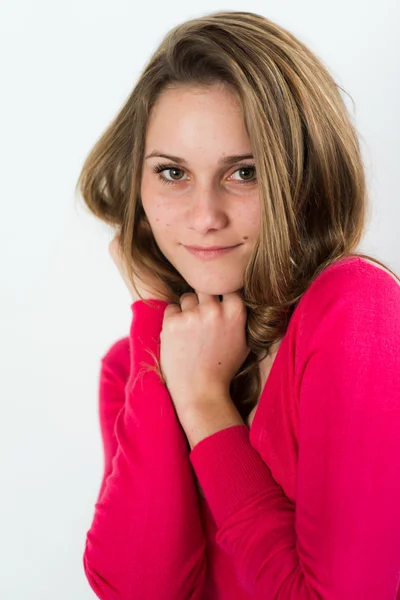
174	176
243	170
160	168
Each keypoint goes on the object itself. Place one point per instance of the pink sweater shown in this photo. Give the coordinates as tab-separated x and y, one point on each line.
304	505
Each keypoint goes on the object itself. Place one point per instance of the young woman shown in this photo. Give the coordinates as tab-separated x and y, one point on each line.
251	418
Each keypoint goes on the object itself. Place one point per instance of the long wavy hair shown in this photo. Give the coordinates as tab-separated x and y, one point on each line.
310	173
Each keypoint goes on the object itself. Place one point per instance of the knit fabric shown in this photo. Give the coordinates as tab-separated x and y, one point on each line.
304	505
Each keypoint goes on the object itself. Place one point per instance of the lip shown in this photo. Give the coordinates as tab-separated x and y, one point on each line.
210	253
210	247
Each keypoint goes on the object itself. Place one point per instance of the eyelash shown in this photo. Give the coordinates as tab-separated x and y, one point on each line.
164	167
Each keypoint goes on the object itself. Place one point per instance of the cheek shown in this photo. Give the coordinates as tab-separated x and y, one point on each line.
248	216
159	215
154	207
161	220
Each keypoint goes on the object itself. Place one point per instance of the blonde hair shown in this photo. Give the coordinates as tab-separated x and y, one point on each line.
310	172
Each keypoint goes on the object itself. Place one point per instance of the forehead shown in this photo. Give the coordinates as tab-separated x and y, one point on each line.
197	123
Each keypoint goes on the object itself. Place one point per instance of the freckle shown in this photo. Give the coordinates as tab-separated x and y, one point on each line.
167	224
246	237
219	363
157	219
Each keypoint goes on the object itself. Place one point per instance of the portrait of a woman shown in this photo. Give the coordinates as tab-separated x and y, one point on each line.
251	416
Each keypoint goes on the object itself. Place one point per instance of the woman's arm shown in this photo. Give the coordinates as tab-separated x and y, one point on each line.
146	539
340	541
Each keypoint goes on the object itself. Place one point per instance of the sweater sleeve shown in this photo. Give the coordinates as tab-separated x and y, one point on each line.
146	539
114	374
340	541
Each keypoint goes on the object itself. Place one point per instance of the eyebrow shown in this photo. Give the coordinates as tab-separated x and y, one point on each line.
224	161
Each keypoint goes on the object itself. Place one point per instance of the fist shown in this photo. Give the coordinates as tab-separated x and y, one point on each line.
149	289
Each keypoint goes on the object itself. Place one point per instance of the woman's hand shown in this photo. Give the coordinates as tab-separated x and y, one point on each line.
203	345
149	289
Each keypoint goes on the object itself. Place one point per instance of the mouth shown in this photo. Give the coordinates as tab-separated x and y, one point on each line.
210	253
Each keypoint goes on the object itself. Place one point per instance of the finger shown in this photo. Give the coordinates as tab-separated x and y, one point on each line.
171	309
232	298
206	298
112	246
188	301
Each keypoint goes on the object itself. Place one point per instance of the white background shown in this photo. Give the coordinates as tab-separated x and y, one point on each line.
66	69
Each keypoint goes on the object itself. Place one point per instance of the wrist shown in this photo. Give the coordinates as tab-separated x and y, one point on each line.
201	421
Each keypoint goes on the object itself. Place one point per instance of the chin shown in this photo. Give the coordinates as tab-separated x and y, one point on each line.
214	288
212	281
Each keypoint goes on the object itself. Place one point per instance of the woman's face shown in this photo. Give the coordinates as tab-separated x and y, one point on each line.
203	201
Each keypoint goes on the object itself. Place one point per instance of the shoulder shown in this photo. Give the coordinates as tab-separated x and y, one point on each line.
117	350
353	273
350	298
116	359
353	279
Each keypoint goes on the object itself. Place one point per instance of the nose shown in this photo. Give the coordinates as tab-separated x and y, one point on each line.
206	211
